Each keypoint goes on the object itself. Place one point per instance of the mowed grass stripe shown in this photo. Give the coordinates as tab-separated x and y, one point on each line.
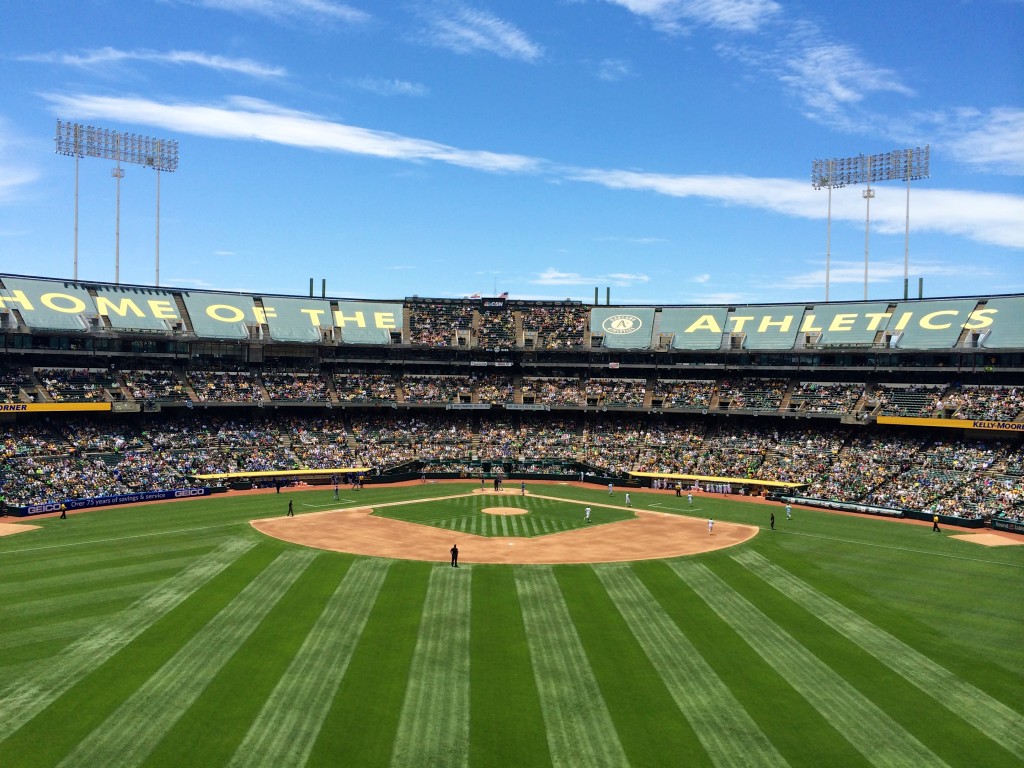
25	575
221	715
506	724
25	699
433	728
131	732
997	721
286	728
579	728
57	632
873	733
714	713
651	728
361	724
767	697
96	578
69	596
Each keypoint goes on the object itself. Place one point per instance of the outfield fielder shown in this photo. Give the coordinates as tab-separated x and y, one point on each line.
586	515
789	511
628	502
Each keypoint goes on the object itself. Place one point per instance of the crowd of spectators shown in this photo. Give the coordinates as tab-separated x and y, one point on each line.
78	385
364	387
154	386
554	390
753	394
437	389
911	400
495	388
990	403
672	393
225	386
11	383
816	397
616	393
496	330
301	387
435	323
51	458
558	326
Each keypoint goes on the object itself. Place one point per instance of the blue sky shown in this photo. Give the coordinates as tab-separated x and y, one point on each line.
661	148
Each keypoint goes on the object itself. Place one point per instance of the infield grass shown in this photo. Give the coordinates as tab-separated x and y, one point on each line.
175	634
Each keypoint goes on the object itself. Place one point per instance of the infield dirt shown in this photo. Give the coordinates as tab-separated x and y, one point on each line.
648	536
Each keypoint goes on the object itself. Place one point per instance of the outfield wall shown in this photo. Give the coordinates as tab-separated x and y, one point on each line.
98	502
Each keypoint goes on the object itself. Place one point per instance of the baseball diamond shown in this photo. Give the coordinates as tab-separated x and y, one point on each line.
259	531
178	632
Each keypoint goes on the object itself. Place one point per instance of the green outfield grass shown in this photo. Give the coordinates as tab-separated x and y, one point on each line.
176	635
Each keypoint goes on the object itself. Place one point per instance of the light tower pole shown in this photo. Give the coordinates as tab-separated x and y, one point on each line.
902	164
76	140
868	193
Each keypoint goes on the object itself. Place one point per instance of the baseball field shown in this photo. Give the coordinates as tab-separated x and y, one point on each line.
210	633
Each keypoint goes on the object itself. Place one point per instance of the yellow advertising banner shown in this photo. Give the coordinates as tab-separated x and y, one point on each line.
51	407
994	426
715	479
283	473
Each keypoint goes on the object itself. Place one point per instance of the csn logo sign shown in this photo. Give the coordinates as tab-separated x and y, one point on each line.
621	325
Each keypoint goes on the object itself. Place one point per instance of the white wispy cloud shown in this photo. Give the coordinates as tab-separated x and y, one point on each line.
674	16
992	140
100	57
719	297
317	10
387	87
632	240
700	278
832	81
982	216
552	276
829	77
986	217
613	70
879	271
467	30
253	119
191	282
15	176
14	180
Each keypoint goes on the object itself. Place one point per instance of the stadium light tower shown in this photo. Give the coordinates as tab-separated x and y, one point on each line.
900	164
77	140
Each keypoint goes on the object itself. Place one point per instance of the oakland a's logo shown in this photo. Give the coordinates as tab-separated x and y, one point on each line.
621	324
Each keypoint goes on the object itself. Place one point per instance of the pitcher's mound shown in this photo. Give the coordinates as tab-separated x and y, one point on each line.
503	511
